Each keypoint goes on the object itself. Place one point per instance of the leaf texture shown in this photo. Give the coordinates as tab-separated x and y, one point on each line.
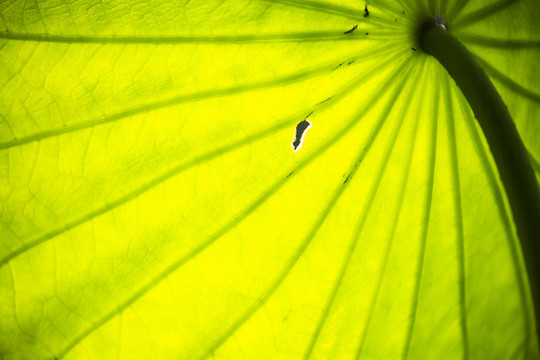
152	205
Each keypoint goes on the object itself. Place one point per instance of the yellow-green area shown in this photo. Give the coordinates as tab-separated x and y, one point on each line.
152	206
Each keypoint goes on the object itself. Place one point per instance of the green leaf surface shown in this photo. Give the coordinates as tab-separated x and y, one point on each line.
152	206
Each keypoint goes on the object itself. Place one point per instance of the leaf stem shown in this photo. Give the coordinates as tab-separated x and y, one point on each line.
508	150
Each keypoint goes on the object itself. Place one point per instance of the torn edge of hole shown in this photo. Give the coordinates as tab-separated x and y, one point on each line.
351	30
300	133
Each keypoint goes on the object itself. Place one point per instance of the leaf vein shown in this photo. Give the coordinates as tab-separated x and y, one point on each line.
358	228
508	82
307	240
297	37
396	215
460	236
483	13
186	98
425	227
362	78
496	190
212	239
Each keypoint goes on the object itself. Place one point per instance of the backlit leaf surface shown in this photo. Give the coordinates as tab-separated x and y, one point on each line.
152	206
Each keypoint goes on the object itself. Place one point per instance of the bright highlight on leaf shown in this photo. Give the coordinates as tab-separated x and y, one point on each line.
151	207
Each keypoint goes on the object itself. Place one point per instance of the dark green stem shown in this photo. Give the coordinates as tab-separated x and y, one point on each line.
508	151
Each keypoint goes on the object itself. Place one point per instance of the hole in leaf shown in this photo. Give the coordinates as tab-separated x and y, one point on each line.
299	134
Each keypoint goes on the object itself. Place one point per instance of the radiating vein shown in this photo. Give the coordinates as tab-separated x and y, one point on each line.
148	186
338	191
444	6
284	272
425	222
456	202
388	7
394	222
297	37
498	196
495	43
454	12
237	219
535	163
482	14
193	97
324	7
507	81
192	254
409	5
365	209
362	78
